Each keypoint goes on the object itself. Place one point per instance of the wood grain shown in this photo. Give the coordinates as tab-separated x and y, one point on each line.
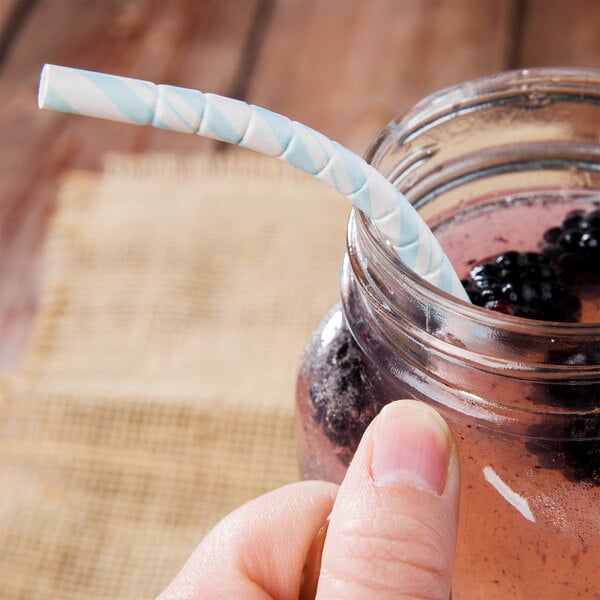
560	33
347	68
12	14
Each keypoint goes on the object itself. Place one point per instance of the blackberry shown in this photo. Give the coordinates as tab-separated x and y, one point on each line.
576	455
343	395
524	285
574	245
577	395
575	446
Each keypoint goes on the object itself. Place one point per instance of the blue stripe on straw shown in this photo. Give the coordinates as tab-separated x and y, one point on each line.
294	150
361	194
280	126
297	155
216	122
409	253
428	269
353	165
156	122
362	200
409	229
123	97
195	100
55	101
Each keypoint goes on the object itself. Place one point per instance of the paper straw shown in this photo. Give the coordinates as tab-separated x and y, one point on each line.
233	121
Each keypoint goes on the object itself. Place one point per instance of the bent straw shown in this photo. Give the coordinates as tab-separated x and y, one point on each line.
233	121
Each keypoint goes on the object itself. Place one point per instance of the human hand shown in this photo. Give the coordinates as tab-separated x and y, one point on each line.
391	529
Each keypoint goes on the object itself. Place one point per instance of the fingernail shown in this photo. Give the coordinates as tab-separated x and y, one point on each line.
411	446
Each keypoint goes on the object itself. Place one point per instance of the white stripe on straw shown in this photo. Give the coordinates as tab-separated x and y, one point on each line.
228	120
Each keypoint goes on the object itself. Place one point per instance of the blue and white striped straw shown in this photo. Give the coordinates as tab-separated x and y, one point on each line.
233	121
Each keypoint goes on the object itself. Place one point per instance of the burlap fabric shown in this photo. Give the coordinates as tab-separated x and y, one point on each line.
157	391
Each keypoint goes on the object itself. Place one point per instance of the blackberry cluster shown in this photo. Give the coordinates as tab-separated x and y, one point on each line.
579	461
343	395
541	285
524	285
574	246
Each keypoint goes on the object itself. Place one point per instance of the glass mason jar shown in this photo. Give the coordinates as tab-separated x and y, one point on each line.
491	165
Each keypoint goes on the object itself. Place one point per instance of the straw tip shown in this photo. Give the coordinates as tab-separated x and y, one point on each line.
43	87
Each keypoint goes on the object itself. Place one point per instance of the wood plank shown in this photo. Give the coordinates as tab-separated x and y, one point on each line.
192	43
347	68
560	33
9	10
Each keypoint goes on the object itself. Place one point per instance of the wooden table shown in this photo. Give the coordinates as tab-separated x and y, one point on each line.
344	67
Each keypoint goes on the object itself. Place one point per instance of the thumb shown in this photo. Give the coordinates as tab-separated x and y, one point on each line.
392	530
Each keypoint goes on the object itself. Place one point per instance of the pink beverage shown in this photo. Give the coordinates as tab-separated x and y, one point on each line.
506	170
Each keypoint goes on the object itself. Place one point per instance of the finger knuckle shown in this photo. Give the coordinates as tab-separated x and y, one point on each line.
404	555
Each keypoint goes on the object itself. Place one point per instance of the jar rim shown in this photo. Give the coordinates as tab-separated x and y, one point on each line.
576	81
